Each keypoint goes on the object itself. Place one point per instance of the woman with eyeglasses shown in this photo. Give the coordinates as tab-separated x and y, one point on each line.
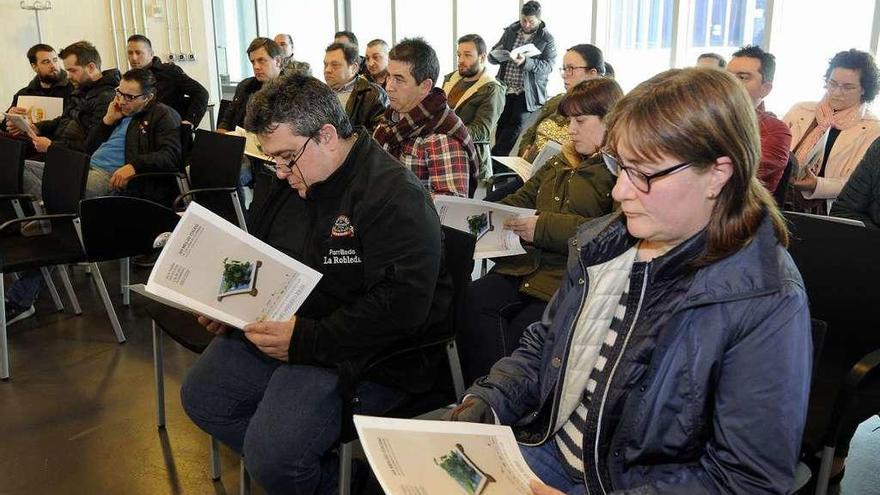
580	63
676	355
571	188
830	137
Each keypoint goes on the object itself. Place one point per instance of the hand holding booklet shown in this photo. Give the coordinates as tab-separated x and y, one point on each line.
213	268
414	457
485	221
528	50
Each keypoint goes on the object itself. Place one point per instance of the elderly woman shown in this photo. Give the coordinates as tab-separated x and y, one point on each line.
572	187
836	130
676	356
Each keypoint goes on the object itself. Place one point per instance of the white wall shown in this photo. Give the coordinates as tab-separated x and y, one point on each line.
72	20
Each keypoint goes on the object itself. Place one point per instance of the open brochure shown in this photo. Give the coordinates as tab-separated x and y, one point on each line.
213	268
484	220
528	50
814	157
40	108
523	168
252	146
415	457
20	122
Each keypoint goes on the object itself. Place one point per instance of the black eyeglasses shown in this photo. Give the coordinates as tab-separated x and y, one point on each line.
127	97
569	69
640	180
286	169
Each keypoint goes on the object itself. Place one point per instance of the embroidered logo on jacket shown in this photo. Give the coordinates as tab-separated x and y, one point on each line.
342	227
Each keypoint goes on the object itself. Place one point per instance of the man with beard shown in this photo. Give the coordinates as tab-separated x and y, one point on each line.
475	96
525	77
173	87
364	102
50	79
377	62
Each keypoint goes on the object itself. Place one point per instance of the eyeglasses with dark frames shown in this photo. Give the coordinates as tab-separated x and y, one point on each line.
127	97
639	180
276	167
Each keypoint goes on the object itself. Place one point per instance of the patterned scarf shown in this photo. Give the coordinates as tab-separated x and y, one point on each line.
431	116
826	118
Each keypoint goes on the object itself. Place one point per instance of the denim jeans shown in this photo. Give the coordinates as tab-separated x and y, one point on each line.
25	290
283	418
546	462
97	184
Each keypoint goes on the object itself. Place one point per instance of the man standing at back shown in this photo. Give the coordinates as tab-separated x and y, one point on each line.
290	64
755	69
419	128
173	87
525	77
475	96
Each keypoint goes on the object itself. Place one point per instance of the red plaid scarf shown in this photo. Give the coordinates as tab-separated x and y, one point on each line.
431	116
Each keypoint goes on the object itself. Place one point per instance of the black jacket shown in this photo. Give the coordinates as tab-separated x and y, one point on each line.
61	89
234	115
152	144
366	103
860	197
536	70
83	112
373	233
179	91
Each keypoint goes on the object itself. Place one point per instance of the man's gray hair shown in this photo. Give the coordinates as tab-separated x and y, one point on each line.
303	103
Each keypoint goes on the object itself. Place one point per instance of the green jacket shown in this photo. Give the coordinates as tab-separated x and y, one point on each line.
547	111
479	108
366	104
564	198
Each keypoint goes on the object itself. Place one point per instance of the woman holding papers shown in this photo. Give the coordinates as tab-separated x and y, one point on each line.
572	187
676	355
830	137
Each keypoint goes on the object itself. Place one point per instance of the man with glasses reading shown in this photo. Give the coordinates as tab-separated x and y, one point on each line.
342	205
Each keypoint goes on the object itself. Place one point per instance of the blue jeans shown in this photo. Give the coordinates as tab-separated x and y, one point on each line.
283	418
25	290
546	462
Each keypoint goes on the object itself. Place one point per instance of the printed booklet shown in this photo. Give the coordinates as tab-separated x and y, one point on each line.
213	268
485	221
523	168
416	457
41	108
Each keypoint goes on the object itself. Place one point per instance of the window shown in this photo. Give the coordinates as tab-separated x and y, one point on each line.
722	27
434	24
808	34
570	25
639	38
488	18
371	19
236	26
311	23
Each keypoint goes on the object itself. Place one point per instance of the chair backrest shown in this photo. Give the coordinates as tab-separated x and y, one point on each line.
215	160
115	227
458	252
11	165
222	109
779	193
64	180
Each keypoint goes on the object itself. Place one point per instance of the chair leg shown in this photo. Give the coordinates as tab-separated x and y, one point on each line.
455	369
108	304
68	287
244	480
345	468
50	284
215	459
124	277
236	203
158	370
825	470
4	345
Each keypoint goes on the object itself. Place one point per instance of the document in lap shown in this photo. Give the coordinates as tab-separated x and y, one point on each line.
523	168
41	108
252	145
485	221
413	457
213	268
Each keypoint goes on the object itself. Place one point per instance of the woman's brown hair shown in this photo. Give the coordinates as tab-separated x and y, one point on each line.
595	96
699	115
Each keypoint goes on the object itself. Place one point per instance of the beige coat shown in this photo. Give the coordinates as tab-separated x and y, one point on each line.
846	152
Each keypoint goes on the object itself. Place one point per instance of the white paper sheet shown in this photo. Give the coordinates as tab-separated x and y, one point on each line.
41	108
485	220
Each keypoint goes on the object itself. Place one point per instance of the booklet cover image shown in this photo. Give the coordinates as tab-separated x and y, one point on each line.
239	277
463	470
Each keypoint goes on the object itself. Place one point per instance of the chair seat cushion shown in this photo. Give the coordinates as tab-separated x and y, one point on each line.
61	246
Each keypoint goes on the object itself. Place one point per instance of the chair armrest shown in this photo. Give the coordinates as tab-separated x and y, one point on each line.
503	175
179	199
10	197
147	175
867	368
15	221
